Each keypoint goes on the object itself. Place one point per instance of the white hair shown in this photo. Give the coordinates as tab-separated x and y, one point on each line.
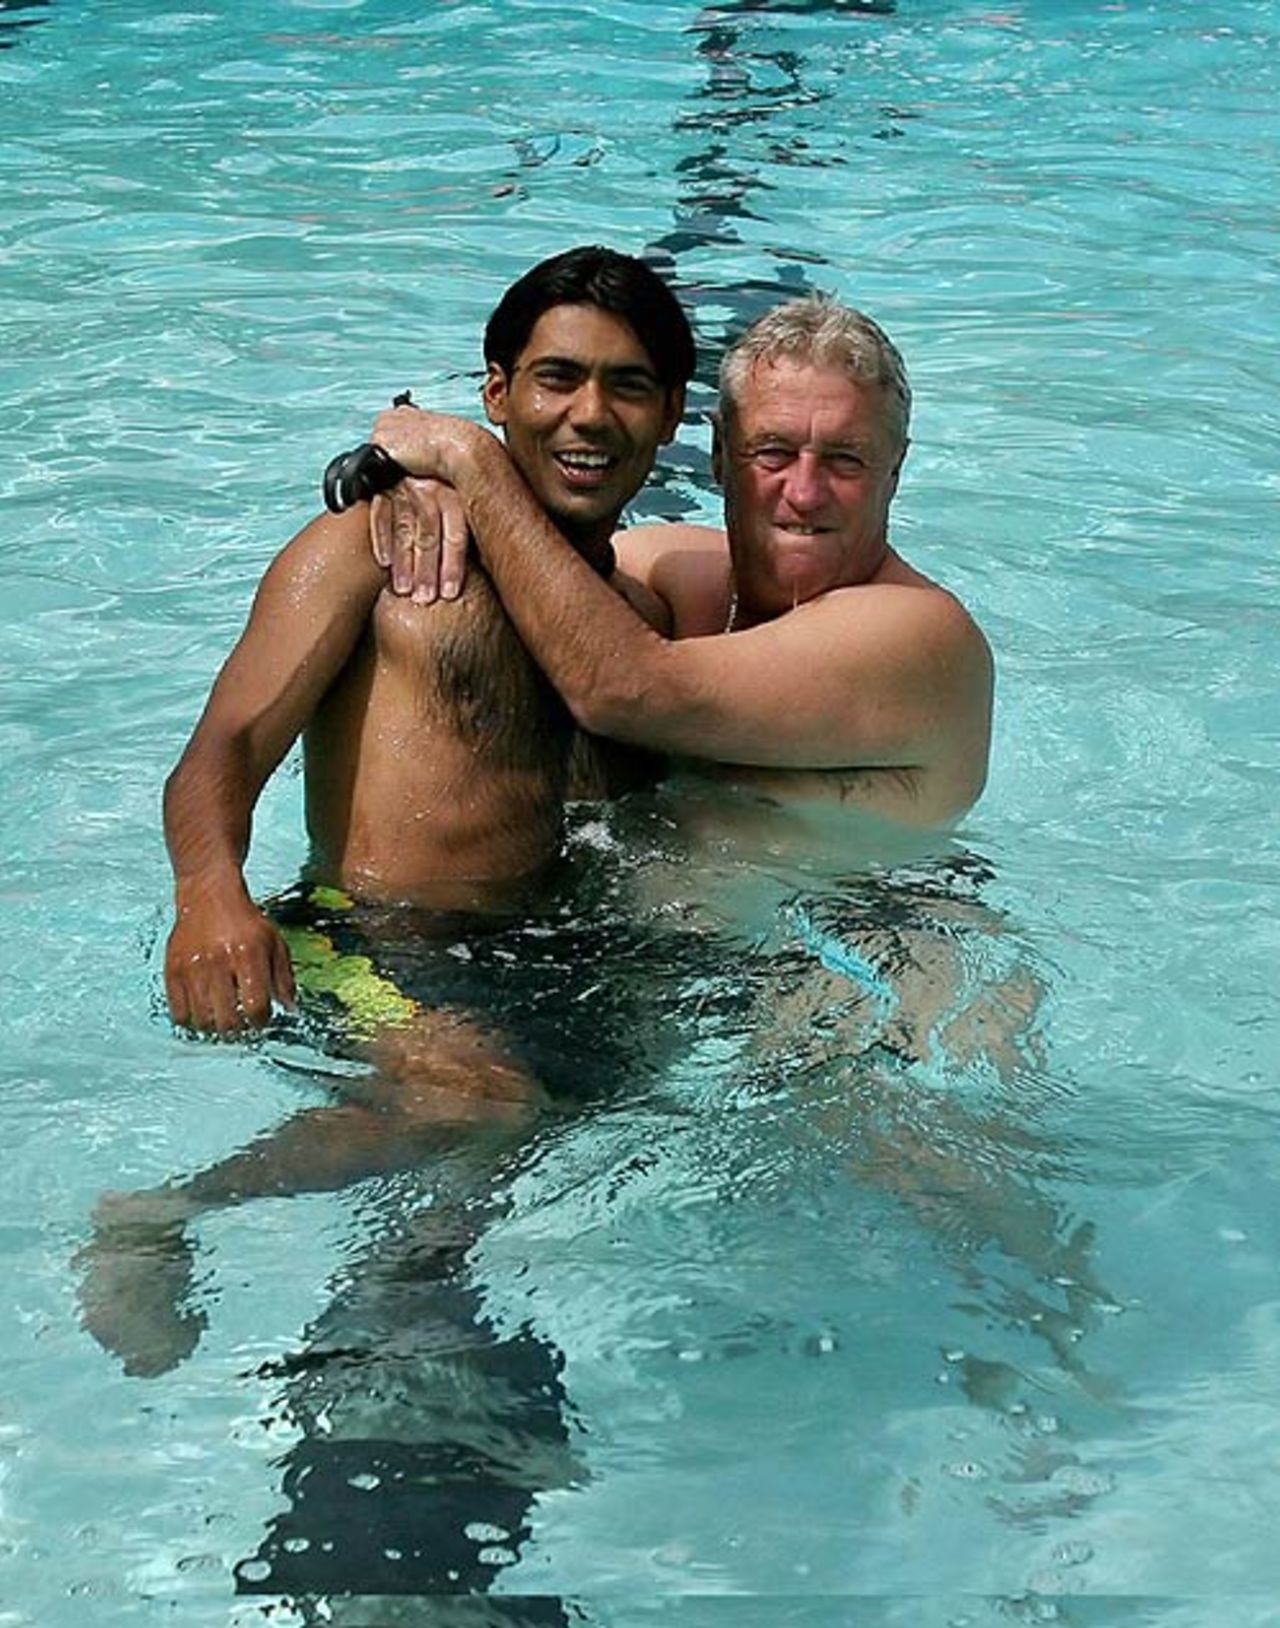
820	331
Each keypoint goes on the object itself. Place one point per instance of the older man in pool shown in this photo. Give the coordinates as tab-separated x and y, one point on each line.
798	651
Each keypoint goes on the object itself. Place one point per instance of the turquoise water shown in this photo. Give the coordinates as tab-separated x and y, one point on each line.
841	1339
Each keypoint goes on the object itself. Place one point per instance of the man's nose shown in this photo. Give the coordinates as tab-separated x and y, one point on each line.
806	486
590	404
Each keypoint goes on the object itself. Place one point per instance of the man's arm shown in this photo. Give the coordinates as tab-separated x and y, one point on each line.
873	677
225	962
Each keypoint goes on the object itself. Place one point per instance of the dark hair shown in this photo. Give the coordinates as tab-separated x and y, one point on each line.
617	283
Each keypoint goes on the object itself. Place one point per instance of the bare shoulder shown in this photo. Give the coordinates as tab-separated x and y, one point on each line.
320	588
640	544
331	542
686	566
907	612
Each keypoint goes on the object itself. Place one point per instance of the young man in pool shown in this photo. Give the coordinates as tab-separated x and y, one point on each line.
438	759
799	652
437	764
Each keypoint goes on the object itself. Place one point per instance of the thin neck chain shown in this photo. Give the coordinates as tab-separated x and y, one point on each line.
733	605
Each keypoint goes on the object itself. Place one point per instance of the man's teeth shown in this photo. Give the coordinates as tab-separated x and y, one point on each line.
585	460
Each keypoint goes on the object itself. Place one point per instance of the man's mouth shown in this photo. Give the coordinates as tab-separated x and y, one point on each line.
584	467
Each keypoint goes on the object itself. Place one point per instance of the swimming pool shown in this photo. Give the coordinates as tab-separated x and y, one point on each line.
821	1339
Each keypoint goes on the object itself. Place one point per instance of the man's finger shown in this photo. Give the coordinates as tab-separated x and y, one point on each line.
453	551
286	990
253	989
179	1000
417	545
200	1017
425	567
220	1003
380	528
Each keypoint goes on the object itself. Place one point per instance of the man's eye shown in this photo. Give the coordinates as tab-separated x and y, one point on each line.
846	463
771	457
556	378
635	387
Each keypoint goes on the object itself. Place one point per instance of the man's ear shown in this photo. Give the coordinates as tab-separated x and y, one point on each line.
674	413
897	469
717	449
494	394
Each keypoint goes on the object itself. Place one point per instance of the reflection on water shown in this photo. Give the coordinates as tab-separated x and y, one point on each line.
426	1434
16	15
738	124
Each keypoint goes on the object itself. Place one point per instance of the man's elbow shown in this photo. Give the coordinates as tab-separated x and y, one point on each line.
601	712
212	760
623	707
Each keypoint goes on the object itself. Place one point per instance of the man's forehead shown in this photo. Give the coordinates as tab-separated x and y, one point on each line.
588	334
788	388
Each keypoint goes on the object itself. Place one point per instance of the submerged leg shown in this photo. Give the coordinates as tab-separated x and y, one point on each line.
432	1076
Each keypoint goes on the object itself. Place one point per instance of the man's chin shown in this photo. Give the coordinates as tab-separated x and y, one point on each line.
584	517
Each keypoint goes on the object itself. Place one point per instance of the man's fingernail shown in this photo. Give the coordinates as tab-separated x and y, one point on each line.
449	589
424	595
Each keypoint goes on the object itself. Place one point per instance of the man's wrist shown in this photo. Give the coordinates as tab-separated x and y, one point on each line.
196	890
472	454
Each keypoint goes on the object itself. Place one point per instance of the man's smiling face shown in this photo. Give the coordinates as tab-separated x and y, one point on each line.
809	464
584	413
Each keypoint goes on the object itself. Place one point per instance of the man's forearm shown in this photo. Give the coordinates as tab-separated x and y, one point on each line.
596	650
208	807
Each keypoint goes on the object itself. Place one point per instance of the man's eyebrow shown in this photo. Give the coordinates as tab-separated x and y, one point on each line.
551	359
786	438
632	370
623	370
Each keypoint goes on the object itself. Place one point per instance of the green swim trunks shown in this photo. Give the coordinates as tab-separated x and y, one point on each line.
324	972
583	996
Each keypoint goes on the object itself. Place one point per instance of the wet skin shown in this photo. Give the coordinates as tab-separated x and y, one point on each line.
583	413
810	465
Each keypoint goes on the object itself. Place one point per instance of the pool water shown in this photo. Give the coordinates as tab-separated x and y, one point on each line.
975	1320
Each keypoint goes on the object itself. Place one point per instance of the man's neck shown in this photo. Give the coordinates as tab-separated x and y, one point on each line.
744	610
595	545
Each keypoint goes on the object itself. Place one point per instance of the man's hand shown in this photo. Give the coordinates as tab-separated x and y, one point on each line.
224	965
430	444
419	530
